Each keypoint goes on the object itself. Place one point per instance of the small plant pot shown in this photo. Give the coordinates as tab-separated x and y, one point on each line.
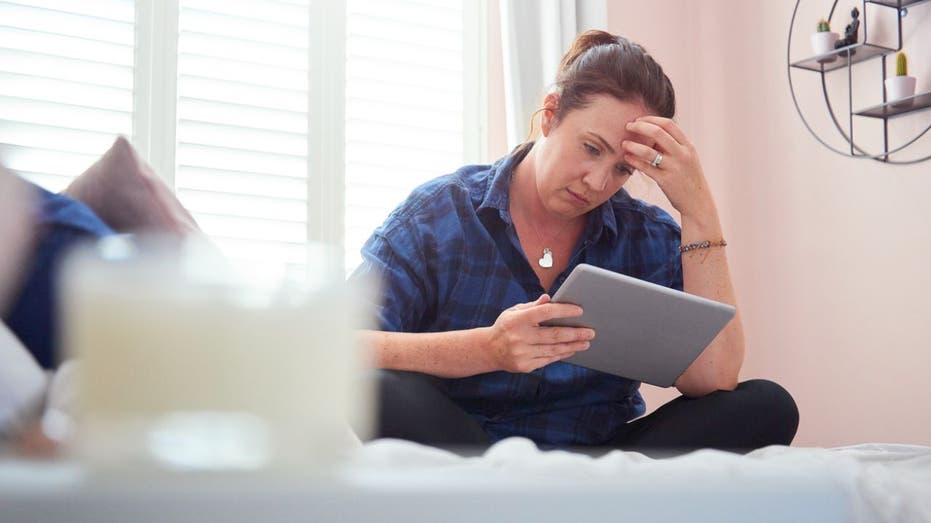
823	43
899	87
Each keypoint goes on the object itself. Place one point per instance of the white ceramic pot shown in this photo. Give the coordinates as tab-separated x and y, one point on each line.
899	87
823	42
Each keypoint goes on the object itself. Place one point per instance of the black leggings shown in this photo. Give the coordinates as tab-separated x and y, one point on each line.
758	413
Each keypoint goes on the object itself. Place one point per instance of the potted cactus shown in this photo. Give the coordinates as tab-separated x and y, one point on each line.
901	85
823	41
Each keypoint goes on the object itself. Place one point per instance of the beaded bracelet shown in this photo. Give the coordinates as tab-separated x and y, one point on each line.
702	245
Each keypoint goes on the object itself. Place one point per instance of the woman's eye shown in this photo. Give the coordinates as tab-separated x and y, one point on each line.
624	170
592	150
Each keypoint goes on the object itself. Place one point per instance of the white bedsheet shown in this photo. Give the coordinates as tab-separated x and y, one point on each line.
391	480
879	482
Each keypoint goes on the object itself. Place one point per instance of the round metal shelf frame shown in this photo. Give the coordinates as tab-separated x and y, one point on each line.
881	157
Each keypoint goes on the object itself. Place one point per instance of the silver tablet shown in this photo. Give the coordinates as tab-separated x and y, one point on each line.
643	331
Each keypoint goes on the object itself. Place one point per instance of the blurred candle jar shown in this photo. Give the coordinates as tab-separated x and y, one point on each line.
188	363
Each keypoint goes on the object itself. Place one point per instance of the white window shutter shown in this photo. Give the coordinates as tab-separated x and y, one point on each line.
66	84
235	140
404	105
242	124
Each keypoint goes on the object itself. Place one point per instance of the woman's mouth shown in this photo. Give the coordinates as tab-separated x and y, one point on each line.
578	197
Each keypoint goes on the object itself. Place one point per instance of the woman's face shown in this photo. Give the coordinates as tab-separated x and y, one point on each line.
580	163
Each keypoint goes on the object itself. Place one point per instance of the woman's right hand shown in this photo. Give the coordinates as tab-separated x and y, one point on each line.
520	344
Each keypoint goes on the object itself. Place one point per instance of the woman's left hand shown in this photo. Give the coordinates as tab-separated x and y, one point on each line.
678	173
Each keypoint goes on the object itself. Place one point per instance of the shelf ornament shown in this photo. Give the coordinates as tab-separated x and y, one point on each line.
822	41
850	32
901	87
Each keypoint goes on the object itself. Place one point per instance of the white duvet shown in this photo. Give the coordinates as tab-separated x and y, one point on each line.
393	480
862	483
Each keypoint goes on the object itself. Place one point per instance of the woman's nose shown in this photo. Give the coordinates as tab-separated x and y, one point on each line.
597	178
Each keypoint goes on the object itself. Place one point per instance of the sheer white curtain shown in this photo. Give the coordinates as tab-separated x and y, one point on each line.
534	36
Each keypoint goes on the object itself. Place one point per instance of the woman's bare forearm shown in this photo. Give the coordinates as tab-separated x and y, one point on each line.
706	273
454	354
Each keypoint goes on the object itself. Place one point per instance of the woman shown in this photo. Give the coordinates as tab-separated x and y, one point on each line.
470	260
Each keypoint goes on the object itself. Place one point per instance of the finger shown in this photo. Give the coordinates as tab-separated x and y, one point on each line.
669	126
641	152
559	335
544	298
559	356
548	311
663	140
645	167
563	350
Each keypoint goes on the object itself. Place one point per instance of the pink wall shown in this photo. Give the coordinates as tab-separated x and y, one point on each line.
830	255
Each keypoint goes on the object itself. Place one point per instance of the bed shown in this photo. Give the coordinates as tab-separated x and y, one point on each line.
391	480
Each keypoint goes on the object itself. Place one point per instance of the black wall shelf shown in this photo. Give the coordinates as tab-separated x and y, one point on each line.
845	58
919	102
838	58
899	4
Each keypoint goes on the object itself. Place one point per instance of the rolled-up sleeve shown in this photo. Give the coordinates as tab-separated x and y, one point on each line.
398	258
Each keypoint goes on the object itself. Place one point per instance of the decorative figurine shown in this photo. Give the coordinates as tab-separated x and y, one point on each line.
850	33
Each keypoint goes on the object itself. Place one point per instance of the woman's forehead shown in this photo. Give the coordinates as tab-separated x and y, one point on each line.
608	117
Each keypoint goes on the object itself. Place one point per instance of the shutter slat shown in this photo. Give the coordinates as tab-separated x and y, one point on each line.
242	138
63	115
53	90
41	136
243	183
243	28
64	20
242	72
117	10
286	13
60	45
242	50
242	115
46	160
64	68
242	94
230	158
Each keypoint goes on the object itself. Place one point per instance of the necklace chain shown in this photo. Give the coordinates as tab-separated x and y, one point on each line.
546	260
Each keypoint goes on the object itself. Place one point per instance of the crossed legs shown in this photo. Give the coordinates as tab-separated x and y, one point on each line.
758	413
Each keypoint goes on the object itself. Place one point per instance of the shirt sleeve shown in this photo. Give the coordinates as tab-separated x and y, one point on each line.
661	246
399	260
34	315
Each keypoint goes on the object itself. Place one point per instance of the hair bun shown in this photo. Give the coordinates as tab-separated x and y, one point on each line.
584	42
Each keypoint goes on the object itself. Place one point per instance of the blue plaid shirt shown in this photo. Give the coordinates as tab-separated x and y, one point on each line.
450	259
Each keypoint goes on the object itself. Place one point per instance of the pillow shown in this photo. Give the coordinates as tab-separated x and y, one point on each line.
127	194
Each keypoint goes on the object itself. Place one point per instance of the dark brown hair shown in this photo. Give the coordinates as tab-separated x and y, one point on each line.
601	63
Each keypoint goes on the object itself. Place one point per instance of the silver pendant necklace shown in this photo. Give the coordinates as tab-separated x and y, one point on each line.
546	260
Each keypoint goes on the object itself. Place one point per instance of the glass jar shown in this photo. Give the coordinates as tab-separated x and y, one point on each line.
189	361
